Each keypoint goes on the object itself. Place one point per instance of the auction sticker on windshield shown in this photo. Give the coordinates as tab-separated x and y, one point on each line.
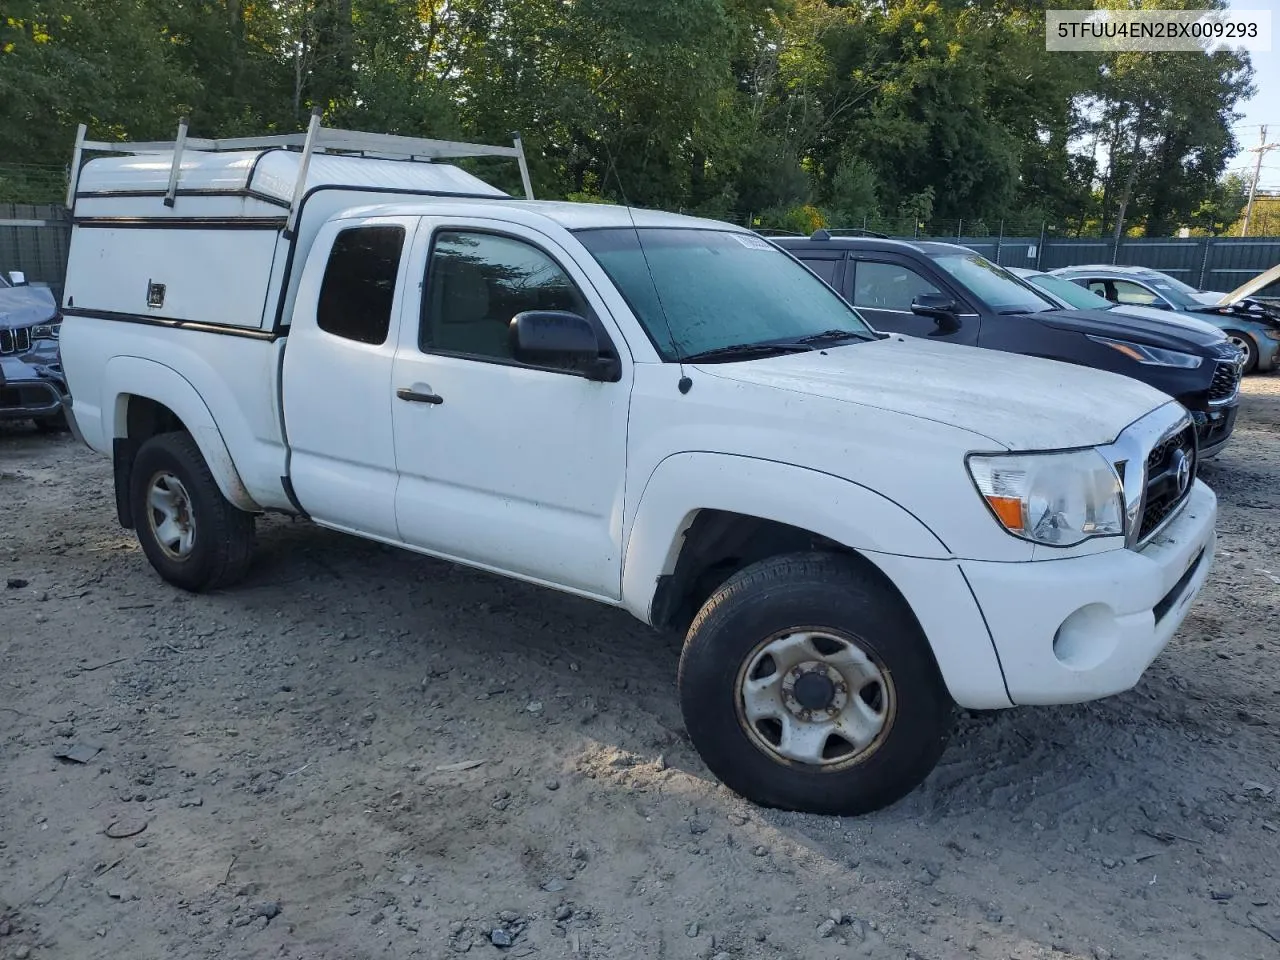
752	241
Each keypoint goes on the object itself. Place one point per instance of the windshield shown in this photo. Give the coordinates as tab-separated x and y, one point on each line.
995	286
718	289
1072	293
1174	282
1175	291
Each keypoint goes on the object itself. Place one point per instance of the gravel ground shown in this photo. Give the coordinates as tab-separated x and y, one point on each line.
364	753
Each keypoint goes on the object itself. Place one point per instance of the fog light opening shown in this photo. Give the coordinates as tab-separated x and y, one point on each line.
1086	638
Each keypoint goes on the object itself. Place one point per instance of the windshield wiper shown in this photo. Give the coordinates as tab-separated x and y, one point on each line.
742	351
833	336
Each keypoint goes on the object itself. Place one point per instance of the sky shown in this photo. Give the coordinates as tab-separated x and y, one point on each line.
1264	106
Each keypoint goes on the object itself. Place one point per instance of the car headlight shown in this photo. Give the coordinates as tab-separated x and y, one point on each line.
1152	356
47	331
1271	333
1059	499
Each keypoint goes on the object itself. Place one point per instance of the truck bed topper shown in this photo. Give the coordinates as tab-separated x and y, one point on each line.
274	170
215	226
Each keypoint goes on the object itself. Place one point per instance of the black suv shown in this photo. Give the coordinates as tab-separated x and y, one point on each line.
948	292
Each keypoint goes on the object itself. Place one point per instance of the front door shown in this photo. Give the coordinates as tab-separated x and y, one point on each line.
503	465
883	291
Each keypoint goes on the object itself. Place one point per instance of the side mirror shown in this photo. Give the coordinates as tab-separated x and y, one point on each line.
563	341
939	306
17	278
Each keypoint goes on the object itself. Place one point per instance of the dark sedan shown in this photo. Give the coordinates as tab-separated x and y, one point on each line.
948	292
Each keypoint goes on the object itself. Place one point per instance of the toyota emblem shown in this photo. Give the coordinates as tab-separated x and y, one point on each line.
1183	472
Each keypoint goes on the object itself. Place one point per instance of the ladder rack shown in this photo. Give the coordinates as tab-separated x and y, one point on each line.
316	139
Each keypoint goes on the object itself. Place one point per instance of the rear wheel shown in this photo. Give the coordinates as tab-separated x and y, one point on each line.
193	536
1245	342
805	687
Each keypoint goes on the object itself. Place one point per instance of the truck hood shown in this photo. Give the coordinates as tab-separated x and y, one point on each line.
1023	403
24	306
1163	329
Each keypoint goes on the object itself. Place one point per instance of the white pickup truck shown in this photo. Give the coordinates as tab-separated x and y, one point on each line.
665	414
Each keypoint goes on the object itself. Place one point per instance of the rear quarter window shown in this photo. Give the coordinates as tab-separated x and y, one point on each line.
359	285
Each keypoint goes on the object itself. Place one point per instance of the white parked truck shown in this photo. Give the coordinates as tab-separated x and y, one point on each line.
661	413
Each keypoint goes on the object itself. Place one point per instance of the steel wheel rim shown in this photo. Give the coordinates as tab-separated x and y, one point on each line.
780	691
173	524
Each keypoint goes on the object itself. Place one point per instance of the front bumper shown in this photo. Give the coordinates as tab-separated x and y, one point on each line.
1067	631
28	391
1214	426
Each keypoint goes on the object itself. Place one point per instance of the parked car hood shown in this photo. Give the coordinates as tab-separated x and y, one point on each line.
23	306
1162	330
1248	288
1023	403
1155	313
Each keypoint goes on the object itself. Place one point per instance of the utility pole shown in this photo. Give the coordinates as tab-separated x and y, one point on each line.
1128	185
1261	150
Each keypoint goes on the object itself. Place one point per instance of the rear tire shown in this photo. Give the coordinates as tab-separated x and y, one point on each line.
194	537
764	651
1250	348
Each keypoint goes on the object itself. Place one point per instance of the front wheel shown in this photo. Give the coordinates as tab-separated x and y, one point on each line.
193	536
805	687
1250	349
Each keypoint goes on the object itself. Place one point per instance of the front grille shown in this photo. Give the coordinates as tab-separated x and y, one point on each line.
15	341
1171	470
1226	381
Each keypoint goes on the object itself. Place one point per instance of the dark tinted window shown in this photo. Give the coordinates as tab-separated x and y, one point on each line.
360	283
826	269
887	286
477	282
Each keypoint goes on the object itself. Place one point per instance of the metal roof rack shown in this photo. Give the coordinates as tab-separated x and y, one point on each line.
827	233
316	139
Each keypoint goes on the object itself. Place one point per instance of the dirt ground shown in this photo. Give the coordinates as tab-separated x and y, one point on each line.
363	753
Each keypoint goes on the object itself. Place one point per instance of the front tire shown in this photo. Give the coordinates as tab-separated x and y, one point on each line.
805	687
194	537
1246	343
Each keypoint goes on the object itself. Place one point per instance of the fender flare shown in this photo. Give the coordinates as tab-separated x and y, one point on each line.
685	483
126	376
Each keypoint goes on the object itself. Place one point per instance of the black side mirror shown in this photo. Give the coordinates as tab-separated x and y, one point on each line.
562	341
939	306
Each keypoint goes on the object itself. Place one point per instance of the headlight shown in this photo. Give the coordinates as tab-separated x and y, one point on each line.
46	331
1059	499
1152	356
1271	333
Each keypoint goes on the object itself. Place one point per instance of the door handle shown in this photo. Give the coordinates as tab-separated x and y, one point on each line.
404	393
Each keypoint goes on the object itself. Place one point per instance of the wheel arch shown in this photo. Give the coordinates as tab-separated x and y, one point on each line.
703	516
146	398
1259	363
